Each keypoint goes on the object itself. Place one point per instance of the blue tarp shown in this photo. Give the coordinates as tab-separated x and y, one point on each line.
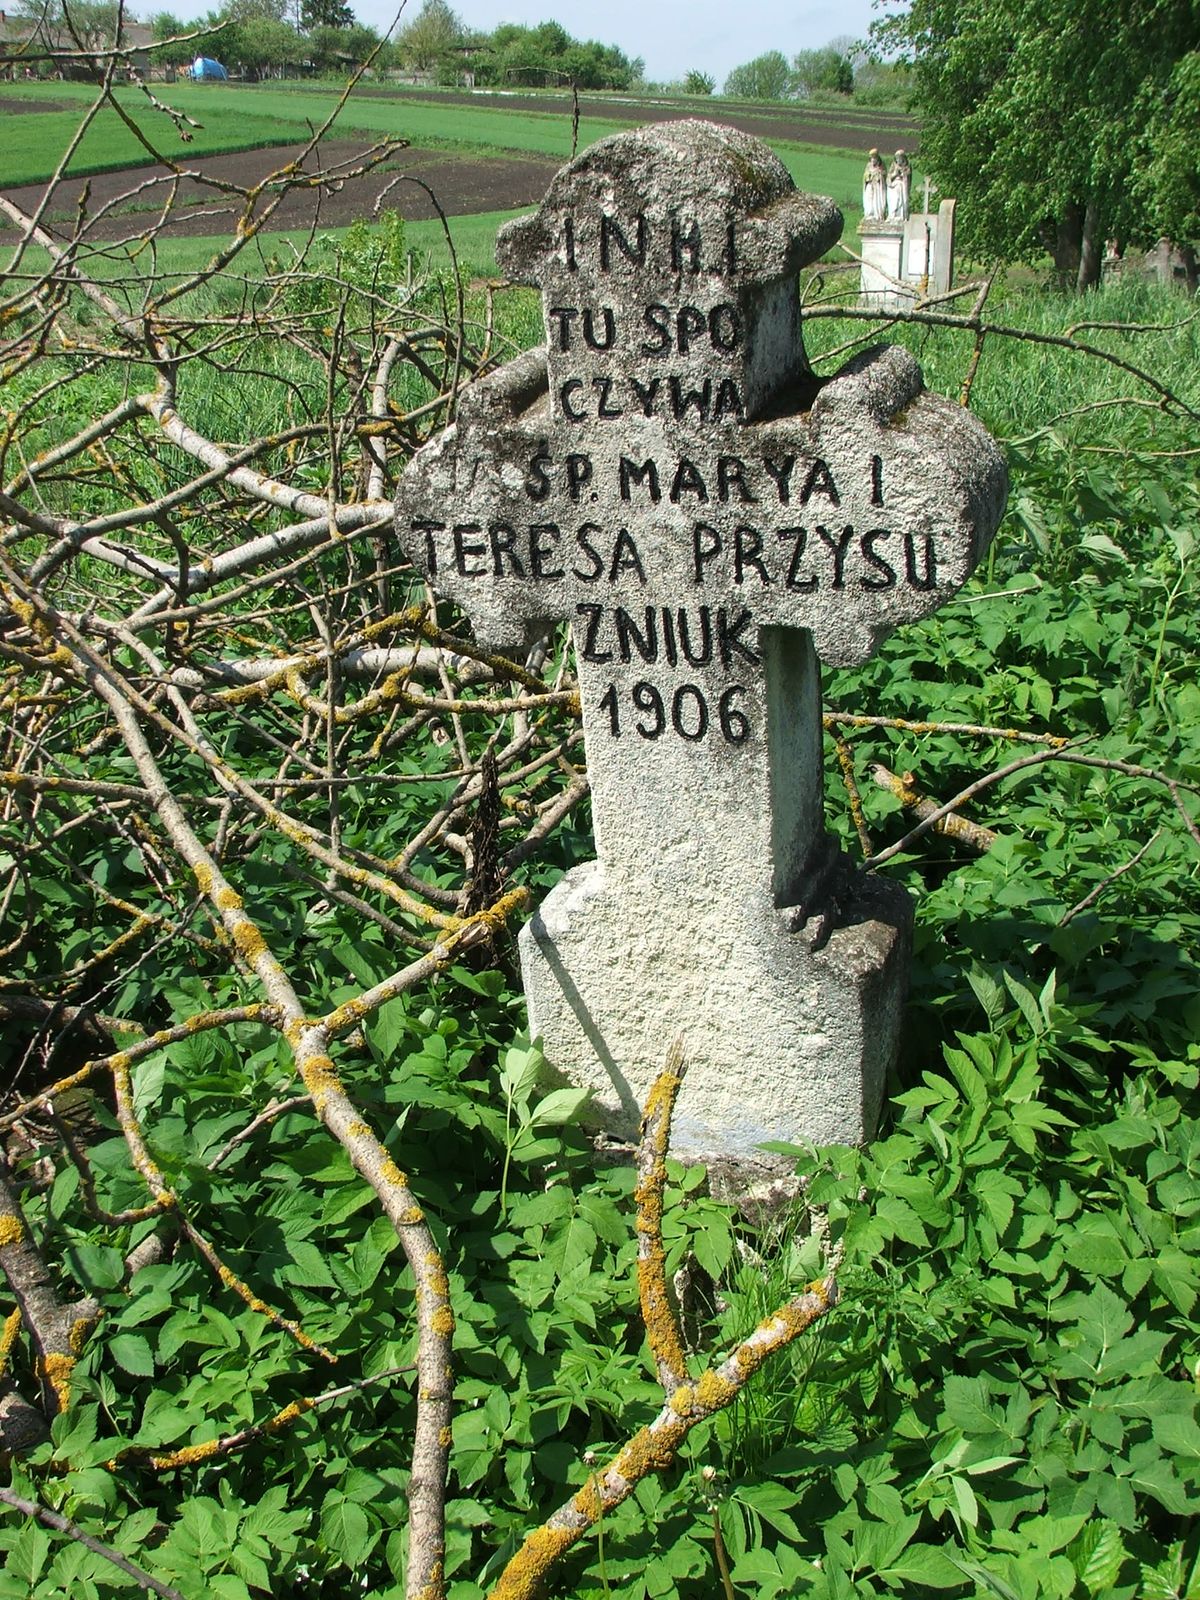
205	67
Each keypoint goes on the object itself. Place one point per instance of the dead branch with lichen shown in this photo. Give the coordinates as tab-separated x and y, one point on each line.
687	1400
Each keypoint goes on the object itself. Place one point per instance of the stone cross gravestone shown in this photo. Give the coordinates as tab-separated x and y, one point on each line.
669	475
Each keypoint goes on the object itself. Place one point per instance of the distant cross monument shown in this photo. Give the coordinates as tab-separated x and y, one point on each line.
905	256
668	474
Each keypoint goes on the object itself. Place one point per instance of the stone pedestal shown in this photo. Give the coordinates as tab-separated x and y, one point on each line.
881	282
906	261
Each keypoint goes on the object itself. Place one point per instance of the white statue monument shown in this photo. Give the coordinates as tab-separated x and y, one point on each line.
874	189
899	186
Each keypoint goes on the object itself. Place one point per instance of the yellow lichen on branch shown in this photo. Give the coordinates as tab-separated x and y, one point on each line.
54	1370
662	1329
657	1445
12	1230
8	1337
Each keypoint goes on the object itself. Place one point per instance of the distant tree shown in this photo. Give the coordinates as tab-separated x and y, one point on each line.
547	55
552	37
435	30
1166	181
325	14
337	49
166	25
256	10
699	83
883	83
91	24
1057	123
256	39
767	77
828	68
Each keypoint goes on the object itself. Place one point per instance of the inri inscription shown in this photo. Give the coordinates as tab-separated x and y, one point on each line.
668	475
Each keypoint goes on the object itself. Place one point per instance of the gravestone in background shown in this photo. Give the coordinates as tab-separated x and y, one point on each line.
907	258
668	474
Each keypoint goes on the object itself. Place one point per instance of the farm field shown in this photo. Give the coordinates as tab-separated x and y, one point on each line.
490	153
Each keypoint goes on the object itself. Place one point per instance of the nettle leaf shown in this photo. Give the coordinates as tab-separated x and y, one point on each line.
72	1431
965	1401
1093	1248
925	1564
569	1247
1154	1475
387	1029
1097	1554
558	1107
132	1353
966	1501
226	1586
346	1530
97	1266
250	1566
519	1072
877	1545
1178	1433
541	1210
28	1555
997	1193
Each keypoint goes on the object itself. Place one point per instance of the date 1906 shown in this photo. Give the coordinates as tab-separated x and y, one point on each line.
686	712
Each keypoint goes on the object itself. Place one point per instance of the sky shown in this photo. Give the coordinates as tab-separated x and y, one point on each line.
672	36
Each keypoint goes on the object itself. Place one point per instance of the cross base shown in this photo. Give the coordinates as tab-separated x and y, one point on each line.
784	1041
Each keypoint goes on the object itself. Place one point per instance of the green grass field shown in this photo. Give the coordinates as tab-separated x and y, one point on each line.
245	117
241	117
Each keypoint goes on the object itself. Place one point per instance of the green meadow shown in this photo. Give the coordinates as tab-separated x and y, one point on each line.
244	117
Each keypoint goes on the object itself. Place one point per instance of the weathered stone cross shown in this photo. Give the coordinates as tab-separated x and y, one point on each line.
668	474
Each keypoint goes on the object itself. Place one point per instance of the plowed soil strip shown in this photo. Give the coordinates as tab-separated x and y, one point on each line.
124	205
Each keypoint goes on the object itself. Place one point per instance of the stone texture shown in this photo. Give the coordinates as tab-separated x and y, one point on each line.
669	475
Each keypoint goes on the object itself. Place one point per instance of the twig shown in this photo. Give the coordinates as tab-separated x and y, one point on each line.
964	398
277	1108
60	1524
191	1455
1090	898
845	758
656	1446
950	827
1128	768
975	325
847	719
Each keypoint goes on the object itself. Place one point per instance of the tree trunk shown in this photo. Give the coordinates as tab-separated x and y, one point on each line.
1068	234
1090	248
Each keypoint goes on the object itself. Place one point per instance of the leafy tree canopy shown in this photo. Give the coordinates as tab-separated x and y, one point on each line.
325	14
699	83
547	55
767	77
434	30
828	68
1057	123
92	22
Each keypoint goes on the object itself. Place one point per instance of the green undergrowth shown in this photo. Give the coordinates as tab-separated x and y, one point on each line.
1003	1404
